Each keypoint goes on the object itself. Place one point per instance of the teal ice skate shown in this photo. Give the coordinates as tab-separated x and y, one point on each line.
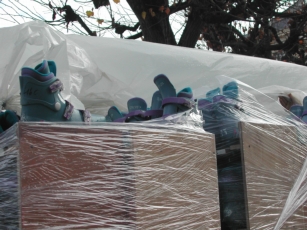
41	100
137	108
213	93
231	90
155	110
173	103
115	115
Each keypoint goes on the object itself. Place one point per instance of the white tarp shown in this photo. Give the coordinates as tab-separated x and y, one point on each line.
105	71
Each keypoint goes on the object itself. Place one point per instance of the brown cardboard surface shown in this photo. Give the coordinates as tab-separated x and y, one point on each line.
71	177
94	177
272	159
182	190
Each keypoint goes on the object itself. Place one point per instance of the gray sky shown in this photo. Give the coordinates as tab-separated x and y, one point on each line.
11	9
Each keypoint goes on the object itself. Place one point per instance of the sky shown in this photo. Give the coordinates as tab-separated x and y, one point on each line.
121	12
11	9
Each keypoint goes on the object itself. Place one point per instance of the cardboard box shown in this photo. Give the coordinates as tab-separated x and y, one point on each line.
273	156
123	176
257	171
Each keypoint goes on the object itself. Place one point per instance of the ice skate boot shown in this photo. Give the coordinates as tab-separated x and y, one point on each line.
137	108
41	99
227	116
155	111
173	103
231	90
213	93
115	115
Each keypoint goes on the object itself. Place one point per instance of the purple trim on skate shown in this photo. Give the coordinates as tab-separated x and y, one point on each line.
87	116
135	113
156	112
220	98
122	119
185	94
43	67
55	86
68	110
204	104
207	107
28	72
178	100
304	113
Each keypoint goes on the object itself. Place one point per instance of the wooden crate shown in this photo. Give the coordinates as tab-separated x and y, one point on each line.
127	177
271	157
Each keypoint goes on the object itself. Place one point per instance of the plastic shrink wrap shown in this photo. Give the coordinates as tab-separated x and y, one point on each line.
111	176
261	157
250	175
9	208
162	174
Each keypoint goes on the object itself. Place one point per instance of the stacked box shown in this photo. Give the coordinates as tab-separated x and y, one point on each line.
260	157
257	170
116	176
272	159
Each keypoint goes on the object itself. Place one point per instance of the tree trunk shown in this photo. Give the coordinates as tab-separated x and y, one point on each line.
155	24
192	30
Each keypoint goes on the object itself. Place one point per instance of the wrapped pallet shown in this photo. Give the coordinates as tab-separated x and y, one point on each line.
261	150
115	176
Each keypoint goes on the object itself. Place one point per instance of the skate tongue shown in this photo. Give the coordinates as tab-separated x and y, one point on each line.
136	103
213	93
114	113
167	90
186	92
156	101
231	90
46	67
204	103
165	86
43	68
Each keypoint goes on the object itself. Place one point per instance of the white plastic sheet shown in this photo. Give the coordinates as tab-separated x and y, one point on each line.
101	72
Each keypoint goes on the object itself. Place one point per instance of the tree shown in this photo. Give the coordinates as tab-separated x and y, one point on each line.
262	28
